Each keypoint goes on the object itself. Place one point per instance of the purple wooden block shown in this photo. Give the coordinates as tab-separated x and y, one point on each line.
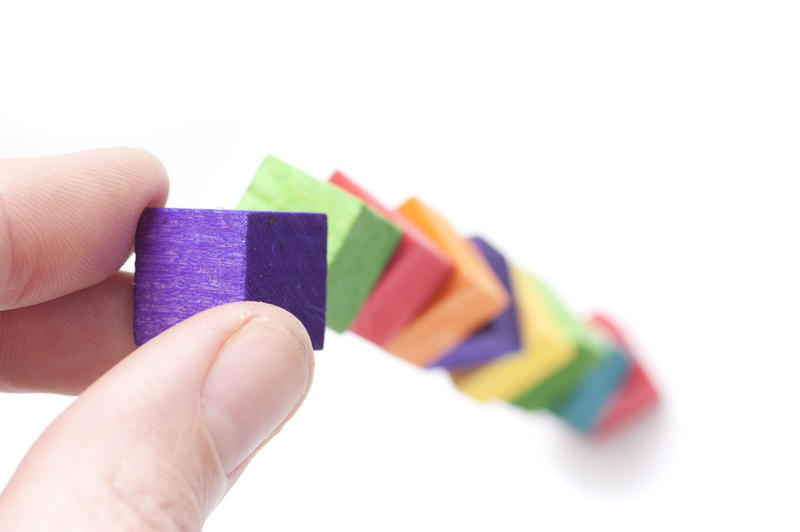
498	337
189	260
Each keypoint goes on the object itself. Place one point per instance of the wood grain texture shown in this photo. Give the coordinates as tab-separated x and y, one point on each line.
470	297
636	394
189	260
498	337
546	348
360	242
409	281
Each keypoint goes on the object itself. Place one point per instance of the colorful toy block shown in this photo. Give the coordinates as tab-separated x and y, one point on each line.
189	260
470	297
498	337
582	407
546	348
360	242
411	278
587	351
636	393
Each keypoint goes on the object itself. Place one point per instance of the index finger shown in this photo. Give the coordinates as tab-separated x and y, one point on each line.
67	222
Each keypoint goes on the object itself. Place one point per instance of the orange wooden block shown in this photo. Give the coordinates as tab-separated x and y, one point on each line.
469	298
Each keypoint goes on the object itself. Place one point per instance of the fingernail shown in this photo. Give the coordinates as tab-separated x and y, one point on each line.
256	381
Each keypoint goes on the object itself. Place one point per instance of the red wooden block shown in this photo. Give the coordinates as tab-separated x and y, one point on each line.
635	395
411	278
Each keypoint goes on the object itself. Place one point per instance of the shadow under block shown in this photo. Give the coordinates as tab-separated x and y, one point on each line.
470	297
498	337
582	407
189	260
546	349
636	393
410	280
360	242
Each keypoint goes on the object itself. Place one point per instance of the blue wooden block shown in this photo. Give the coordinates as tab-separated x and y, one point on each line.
582	407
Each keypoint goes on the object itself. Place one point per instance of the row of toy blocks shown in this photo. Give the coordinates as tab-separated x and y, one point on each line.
434	291
586	376
577	391
359	243
454	291
459	286
417	269
437	290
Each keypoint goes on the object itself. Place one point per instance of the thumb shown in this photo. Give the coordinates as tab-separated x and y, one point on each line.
157	441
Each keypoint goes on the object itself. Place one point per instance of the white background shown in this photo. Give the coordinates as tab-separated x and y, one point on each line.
640	156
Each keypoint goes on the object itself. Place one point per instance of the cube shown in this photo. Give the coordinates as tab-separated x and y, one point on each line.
636	393
586	352
360	241
417	269
498	337
546	348
584	404
189	260
471	297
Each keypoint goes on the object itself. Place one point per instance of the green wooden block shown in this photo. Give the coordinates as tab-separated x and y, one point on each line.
360	241
588	351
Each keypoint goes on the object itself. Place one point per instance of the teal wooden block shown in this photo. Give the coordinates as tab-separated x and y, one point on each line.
360	241
581	409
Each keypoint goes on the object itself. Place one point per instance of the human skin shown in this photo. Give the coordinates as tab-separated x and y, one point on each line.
158	434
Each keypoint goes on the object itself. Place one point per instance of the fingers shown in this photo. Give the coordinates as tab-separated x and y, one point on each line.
65	344
155	443
67	222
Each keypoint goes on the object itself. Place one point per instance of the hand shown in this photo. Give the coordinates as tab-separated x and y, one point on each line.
162	431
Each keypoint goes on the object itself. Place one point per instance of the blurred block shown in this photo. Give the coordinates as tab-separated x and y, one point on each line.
636	393
587	351
360	242
410	280
582	407
496	338
189	260
470	297
546	348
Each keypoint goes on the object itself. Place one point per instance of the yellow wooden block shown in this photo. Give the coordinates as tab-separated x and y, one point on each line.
546	348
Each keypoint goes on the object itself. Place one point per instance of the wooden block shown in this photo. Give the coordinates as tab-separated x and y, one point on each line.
360	242
636	394
468	299
189	260
413	275
587	351
582	407
498	337
546	348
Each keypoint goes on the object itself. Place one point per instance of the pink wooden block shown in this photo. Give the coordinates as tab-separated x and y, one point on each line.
635	395
413	275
